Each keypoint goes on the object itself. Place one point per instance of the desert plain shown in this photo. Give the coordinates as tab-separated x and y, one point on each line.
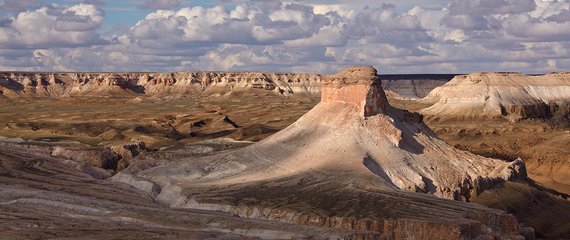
228	155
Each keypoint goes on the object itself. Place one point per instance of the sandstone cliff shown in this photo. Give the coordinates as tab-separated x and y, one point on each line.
352	162
500	95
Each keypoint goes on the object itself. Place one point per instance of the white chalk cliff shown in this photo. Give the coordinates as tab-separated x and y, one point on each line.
52	84
13	84
499	95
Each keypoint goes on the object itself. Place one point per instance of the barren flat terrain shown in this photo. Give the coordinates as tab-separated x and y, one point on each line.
158	122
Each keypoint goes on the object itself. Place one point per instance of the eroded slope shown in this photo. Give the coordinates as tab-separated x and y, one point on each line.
353	161
512	96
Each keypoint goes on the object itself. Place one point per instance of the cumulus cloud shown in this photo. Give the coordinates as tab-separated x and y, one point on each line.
524	26
16	5
562	17
52	26
82	17
307	36
466	22
547	8
245	24
490	7
229	56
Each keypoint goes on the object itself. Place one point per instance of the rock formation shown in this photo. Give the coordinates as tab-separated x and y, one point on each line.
352	162
153	84
14	84
512	96
413	86
45	197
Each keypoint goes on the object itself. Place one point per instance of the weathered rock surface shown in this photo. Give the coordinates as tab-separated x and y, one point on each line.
153	84
352	162
512	96
42	197
414	86
17	84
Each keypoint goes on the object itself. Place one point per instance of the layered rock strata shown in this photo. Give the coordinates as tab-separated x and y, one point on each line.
512	96
153	84
414	86
29	84
352	162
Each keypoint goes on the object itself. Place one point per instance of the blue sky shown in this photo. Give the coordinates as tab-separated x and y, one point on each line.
417	36
127	13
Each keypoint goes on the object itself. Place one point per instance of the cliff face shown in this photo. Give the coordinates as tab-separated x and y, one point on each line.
414	86
359	86
24	84
499	95
153	84
353	162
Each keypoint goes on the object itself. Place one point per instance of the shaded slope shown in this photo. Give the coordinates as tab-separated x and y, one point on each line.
414	86
42	197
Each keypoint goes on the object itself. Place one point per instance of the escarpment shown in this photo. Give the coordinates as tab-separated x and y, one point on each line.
512	96
153	84
352	162
28	84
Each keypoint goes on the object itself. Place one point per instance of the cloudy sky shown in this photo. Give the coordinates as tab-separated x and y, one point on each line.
414	36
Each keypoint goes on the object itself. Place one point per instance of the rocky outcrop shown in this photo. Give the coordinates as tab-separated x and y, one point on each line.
358	86
17	84
512	96
100	162
153	84
100	158
352	162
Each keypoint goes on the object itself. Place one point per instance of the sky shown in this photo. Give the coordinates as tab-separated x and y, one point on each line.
414	36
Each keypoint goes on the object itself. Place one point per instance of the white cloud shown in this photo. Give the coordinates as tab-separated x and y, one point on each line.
16	5
547	8
82	17
560	17
466	22
335	8
490	7
538	30
229	56
320	36
53	26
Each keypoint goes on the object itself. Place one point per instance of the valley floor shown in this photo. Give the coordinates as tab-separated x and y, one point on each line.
42	197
